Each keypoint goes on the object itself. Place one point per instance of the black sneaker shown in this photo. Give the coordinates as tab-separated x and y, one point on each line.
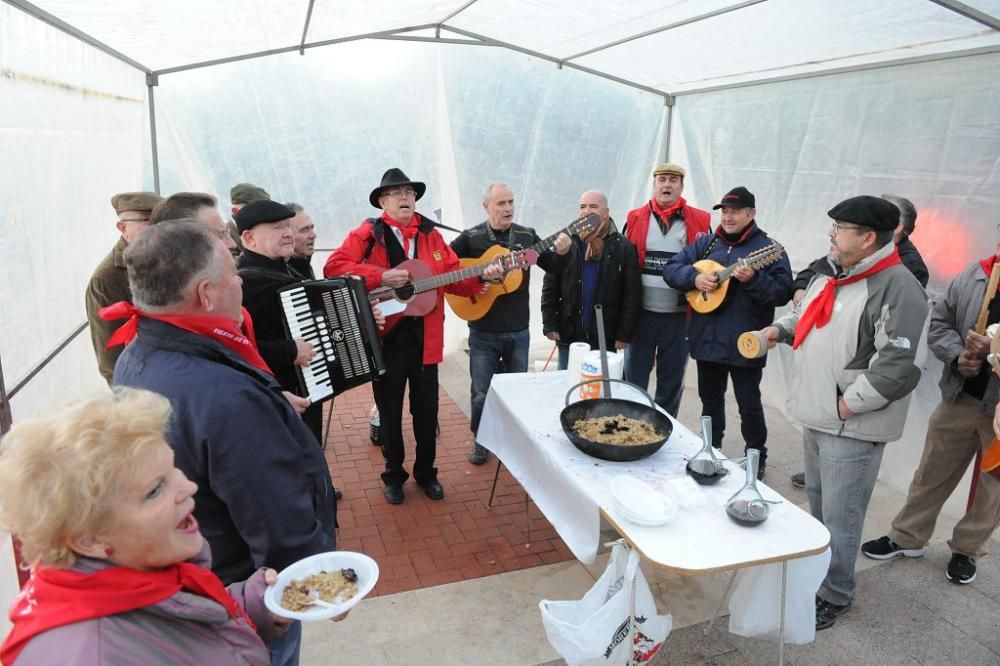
799	480
478	455
961	569
884	548
827	613
761	468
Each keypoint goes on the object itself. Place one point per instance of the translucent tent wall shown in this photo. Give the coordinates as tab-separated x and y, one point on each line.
804	101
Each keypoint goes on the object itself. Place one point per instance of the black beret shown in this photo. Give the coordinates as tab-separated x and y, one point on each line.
867	211
259	212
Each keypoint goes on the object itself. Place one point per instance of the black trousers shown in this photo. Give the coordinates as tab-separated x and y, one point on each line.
403	351
713	379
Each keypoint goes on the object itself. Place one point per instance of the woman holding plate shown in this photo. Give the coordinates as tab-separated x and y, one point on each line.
119	571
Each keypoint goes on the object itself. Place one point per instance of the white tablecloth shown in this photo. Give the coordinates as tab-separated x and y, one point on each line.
520	424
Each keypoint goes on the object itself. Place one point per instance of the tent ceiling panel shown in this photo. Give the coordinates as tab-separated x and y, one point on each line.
666	45
788	37
563	29
164	34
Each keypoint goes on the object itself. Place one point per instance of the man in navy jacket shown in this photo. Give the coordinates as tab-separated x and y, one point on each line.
264	492
749	306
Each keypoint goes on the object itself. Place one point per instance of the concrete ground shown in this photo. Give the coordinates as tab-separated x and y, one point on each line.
906	611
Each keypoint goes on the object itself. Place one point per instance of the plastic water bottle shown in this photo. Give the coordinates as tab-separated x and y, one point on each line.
374	426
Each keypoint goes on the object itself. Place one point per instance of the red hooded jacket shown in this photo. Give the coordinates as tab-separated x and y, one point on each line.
431	249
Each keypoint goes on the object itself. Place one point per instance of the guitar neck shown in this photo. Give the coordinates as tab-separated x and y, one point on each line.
754	260
444	279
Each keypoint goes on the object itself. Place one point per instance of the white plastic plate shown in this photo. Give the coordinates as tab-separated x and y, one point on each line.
364	566
639	503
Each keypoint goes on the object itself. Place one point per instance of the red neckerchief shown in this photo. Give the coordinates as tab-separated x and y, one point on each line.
987	264
663	215
409	231
55	597
820	309
222	329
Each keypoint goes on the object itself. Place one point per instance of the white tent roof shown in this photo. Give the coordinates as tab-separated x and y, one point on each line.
666	46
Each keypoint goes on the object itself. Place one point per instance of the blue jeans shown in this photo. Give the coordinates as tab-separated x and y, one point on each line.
285	650
661	337
489	353
840	475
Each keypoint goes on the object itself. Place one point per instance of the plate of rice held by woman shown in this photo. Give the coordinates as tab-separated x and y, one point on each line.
340	578
618	429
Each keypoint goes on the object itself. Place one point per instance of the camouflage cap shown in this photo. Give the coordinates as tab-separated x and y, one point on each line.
244	193
138	201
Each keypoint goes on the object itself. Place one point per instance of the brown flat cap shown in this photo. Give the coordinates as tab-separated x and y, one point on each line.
140	201
668	168
244	193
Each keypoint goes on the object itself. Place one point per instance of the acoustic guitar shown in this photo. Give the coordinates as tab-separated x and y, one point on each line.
419	295
471	308
708	301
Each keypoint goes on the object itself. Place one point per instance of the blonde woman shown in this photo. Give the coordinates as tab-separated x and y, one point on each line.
119	570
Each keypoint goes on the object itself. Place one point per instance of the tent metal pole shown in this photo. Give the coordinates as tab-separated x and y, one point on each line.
305	28
152	80
289	49
915	60
458	11
970	13
59	24
434	40
669	129
560	63
671	26
6	419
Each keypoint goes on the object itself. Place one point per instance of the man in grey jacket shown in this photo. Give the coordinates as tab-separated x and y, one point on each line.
858	347
960	426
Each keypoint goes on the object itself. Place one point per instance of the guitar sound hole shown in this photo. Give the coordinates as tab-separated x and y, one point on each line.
405	292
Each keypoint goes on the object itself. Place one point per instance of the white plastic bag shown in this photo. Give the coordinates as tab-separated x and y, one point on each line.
755	606
600	628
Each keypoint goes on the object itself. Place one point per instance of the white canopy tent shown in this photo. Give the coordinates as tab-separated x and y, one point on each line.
805	102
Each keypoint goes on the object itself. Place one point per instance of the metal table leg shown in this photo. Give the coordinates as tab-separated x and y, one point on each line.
722	601
493	491
781	622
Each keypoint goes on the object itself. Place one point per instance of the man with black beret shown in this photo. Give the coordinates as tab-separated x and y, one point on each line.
751	297
266	231
109	283
859	344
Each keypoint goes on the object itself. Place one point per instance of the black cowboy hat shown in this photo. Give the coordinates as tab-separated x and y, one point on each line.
395	178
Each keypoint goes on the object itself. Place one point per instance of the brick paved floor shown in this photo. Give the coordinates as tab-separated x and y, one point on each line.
422	543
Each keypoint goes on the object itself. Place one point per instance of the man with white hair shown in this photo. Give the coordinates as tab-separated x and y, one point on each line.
500	339
264	496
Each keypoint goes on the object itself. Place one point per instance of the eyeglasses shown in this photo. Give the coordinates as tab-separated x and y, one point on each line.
838	227
133	219
401	192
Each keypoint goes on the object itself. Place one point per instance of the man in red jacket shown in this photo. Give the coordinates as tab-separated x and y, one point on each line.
414	348
659	230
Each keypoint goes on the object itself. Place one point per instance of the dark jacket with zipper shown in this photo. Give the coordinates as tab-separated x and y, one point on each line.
510	312
262	279
749	306
264	497
618	291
